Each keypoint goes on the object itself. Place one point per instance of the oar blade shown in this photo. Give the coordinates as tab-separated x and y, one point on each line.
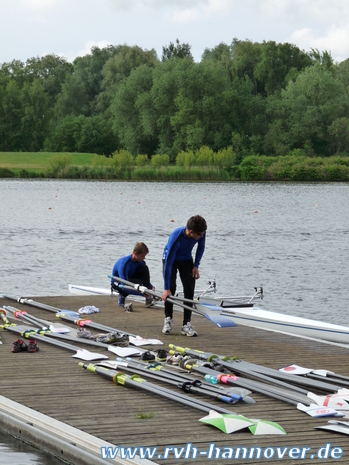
336	428
316	411
262	427
67	313
83	354
228	423
220	320
59	329
124	351
295	370
140	341
336	402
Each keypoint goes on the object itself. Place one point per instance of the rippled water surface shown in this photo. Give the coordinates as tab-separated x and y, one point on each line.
292	238
15	452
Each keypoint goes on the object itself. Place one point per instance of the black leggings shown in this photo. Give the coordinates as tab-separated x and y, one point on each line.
185	269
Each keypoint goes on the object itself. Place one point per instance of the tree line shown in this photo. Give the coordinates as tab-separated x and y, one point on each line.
249	98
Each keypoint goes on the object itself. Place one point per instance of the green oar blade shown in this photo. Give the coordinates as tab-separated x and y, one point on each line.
266	427
228	423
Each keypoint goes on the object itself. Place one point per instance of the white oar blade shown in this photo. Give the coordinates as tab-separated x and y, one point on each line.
335	428
140	341
59	329
83	354
67	313
343	391
124	351
316	412
331	401
261	427
295	370
339	422
110	364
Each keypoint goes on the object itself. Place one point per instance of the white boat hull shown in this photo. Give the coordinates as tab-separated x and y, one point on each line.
85	290
258	318
265	319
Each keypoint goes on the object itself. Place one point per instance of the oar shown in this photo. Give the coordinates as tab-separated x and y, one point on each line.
136	382
316	374
185	382
186	386
250	373
32	303
70	316
236	392
241	366
82	322
211	313
115	349
269	391
29	333
37	321
334	401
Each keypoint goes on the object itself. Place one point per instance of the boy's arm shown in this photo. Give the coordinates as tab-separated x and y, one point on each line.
200	251
173	245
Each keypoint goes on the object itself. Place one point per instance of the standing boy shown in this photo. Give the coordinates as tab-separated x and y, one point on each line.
178	257
134	269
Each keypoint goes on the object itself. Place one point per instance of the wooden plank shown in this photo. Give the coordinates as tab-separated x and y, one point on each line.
51	382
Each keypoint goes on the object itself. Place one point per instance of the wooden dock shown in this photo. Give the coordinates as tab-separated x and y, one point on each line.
50	381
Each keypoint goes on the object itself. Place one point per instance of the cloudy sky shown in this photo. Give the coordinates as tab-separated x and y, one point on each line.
70	28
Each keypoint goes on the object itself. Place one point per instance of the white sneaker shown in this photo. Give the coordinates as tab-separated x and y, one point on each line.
188	330
167	325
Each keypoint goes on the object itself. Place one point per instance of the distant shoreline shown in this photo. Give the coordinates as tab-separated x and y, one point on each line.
48	165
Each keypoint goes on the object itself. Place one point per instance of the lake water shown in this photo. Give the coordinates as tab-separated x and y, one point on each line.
15	452
292	238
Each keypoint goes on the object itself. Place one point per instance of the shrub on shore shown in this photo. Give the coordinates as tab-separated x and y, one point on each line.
200	165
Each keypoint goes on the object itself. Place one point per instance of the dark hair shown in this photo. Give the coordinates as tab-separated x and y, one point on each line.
197	224
140	247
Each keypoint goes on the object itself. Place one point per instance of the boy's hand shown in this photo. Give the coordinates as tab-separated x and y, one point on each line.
165	294
196	273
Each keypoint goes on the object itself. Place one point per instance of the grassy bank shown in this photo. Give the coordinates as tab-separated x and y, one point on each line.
251	168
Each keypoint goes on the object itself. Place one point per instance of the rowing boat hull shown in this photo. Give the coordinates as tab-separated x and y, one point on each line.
258	318
265	319
85	290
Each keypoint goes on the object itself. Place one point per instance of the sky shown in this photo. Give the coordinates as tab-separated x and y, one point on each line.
69	28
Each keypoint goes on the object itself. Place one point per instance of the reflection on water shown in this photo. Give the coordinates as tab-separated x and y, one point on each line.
16	452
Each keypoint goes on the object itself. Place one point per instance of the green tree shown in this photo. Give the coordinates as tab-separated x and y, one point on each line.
119	67
278	64
339	133
177	50
126	112
96	135
81	89
307	109
222	53
268	65
65	135
10	117
36	116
